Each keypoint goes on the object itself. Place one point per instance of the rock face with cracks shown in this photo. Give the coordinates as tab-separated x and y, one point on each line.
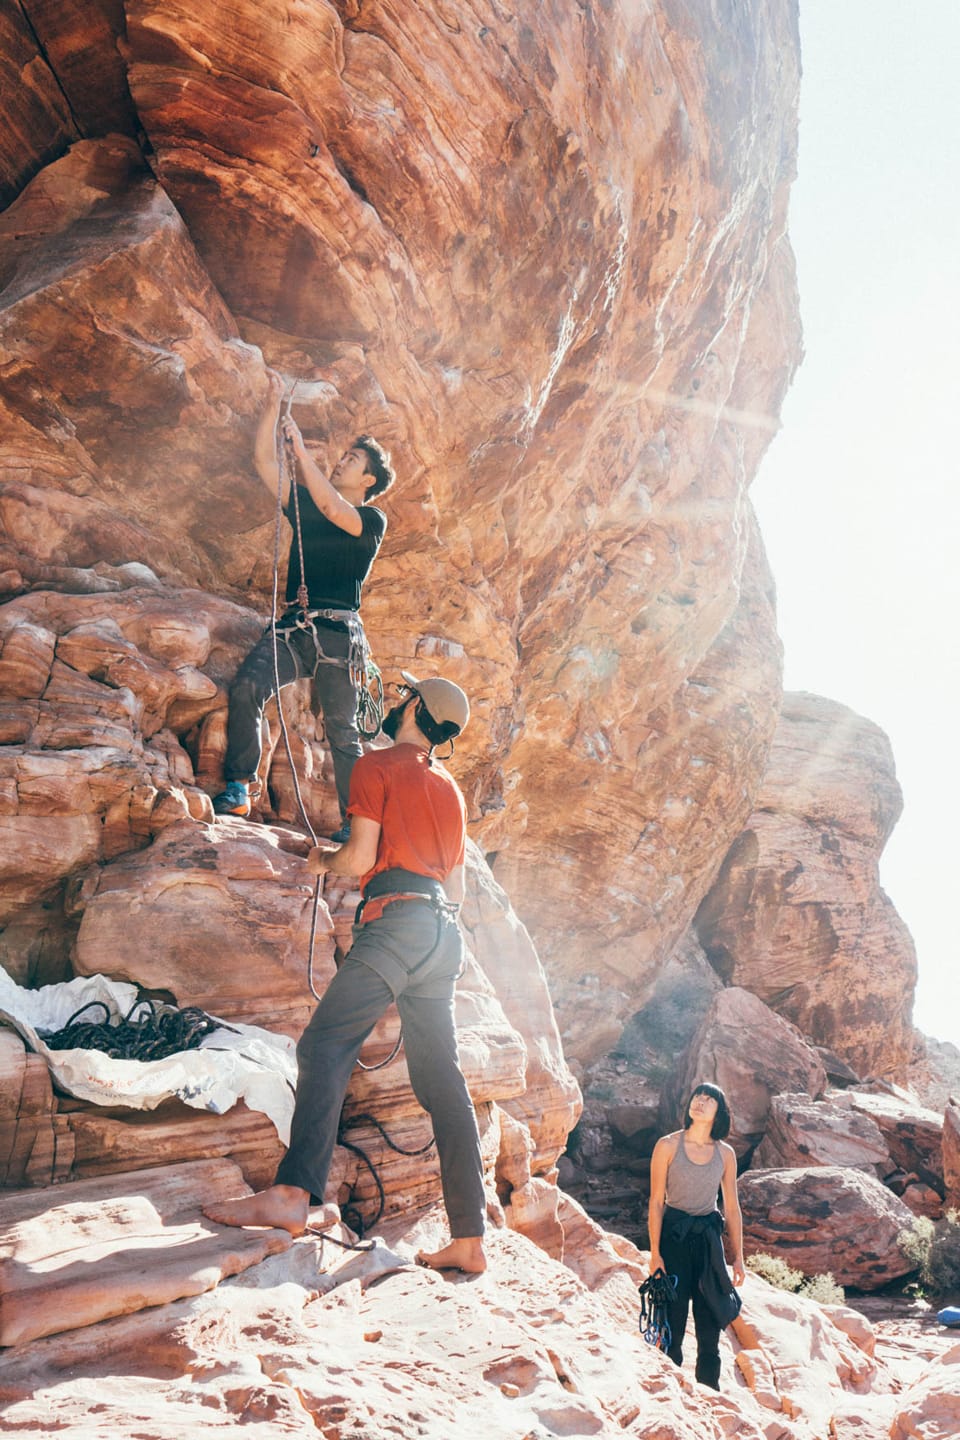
543	257
381	210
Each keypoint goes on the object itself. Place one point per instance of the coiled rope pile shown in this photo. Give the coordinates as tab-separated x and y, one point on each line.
150	1030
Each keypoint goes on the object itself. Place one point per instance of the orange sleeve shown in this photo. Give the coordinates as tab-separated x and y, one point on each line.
367	789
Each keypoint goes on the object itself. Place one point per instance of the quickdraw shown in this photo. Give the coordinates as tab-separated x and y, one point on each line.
656	1295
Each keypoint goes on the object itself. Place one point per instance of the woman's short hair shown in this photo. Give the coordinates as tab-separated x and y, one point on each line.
379	465
720	1128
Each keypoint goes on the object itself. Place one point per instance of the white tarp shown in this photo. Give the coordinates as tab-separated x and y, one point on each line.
242	1063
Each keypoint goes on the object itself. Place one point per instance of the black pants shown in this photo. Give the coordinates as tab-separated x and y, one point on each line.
376	971
333	691
686	1260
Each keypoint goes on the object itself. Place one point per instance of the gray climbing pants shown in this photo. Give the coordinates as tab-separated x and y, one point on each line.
333	691
382	966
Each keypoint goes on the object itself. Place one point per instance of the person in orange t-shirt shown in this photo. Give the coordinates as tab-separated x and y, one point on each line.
407	841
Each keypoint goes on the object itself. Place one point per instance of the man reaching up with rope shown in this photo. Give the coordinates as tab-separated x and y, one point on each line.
407	841
337	534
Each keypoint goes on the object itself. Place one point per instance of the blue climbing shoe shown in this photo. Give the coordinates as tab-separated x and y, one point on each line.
233	800
341	836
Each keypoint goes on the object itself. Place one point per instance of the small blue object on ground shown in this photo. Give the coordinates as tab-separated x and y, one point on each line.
949	1316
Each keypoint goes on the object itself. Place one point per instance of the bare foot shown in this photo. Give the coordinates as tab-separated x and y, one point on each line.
465	1254
282	1207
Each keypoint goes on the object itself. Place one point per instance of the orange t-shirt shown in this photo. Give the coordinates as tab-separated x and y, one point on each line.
420	811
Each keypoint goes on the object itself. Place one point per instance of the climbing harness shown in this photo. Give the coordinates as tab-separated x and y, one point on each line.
149	1031
409	885
656	1294
357	1221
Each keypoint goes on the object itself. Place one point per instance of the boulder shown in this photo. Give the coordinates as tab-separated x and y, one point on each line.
826	1219
935	1075
217	915
797	915
922	1200
831	1131
752	1054
931	1405
913	1134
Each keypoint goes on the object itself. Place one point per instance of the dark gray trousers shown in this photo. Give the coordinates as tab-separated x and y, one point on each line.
381	967
333	691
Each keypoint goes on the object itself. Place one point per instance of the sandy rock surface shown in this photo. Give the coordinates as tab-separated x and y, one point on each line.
113	1246
368	1344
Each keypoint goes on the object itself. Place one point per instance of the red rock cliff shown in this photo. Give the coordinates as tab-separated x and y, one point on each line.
545	259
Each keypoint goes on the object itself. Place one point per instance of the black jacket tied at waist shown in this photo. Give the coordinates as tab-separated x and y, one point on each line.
702	1233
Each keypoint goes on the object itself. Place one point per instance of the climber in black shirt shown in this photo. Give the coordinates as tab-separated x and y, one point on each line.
341	534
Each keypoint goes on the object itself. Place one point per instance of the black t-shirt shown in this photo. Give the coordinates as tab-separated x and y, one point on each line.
336	562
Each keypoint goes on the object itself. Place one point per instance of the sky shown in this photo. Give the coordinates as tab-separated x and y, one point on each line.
858	496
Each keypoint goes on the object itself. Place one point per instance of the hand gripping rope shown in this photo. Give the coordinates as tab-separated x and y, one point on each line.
656	1294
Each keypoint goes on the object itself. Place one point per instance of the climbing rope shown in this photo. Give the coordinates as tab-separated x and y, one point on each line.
322	1235
284	475
357	1221
148	1031
656	1294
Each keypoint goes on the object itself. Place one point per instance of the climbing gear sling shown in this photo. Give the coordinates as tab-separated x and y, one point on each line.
656	1294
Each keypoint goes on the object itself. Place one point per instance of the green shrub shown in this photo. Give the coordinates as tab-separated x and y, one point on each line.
822	1288
934	1250
775	1271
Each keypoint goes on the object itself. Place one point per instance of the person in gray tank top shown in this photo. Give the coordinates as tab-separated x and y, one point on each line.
687	1170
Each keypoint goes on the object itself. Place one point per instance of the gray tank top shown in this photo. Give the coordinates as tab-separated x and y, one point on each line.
691	1187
